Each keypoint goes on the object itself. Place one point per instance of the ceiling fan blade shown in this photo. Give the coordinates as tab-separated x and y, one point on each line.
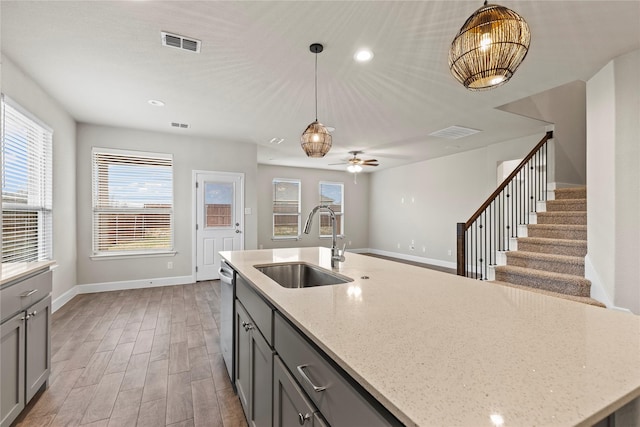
370	164
335	164
369	161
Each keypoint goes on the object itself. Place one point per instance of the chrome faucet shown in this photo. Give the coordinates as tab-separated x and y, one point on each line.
336	254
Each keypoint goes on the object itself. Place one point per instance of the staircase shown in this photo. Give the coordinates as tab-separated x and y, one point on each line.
550	260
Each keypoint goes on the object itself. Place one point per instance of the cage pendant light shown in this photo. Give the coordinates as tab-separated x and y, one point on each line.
316	139
490	46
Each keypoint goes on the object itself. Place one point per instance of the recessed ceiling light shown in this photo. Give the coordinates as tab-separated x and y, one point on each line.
277	141
156	103
363	55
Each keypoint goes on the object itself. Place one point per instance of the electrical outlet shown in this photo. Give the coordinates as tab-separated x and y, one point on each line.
170	265
413	242
424	249
398	245
349	242
449	252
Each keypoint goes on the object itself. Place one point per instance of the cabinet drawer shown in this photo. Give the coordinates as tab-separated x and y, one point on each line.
258	309
22	294
340	402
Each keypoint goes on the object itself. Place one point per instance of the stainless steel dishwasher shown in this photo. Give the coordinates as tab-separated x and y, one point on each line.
227	296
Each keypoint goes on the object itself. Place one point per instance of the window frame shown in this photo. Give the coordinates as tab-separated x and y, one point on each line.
97	254
274	214
340	232
39	158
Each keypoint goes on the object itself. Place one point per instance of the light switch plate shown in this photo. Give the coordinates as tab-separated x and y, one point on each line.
247	211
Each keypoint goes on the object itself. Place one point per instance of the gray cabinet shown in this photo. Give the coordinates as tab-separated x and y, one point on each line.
12	369
243	363
290	404
25	349
254	368
38	346
283	379
340	401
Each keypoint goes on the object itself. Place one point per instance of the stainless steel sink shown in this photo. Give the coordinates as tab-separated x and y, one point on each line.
301	275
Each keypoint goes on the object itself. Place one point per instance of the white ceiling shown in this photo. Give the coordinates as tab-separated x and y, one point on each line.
253	80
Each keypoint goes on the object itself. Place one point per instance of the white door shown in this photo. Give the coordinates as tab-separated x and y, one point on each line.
219	219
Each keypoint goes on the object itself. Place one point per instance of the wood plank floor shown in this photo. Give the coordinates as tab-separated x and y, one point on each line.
143	357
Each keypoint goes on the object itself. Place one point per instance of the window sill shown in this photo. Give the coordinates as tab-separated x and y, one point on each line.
103	257
277	239
339	236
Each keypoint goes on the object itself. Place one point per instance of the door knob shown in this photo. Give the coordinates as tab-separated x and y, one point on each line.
238	231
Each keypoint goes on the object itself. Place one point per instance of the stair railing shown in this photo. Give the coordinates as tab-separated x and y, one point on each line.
491	227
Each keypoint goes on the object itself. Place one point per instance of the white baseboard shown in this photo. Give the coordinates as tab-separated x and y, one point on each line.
438	262
63	299
597	289
119	286
358	250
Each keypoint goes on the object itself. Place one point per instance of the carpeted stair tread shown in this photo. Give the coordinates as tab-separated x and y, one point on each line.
564	205
568	247
547	262
556	282
562	217
584	300
558	231
571	193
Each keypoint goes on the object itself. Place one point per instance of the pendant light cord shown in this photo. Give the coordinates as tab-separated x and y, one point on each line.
316	86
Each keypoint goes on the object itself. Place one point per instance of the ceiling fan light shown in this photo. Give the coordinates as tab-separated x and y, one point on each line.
354	168
489	47
316	140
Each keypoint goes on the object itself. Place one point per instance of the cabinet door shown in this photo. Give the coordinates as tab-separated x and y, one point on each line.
290	406
11	369
261	380
243	348
38	348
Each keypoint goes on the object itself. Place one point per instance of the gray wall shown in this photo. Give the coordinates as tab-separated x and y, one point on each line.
189	153
424	201
22	89
356	200
565	107
613	187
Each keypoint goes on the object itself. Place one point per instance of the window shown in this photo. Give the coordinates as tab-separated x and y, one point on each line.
26	186
132	202
286	208
332	195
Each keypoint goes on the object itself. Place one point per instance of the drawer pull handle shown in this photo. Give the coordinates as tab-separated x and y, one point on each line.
303	418
247	326
307	379
33	314
28	293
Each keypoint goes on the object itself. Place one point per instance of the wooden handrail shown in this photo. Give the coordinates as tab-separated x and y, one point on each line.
462	228
507	180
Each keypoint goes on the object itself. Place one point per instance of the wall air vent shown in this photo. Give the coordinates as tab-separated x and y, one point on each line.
180	42
179	125
454	132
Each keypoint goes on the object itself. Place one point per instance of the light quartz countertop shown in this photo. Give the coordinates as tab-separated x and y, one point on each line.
17	270
442	350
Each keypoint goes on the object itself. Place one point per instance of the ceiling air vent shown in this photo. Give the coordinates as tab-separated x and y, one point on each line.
180	42
454	132
179	125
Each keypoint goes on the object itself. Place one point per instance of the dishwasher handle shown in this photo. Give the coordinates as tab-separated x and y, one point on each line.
226	275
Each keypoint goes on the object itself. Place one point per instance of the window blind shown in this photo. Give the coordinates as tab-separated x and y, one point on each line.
286	208
26	186
332	195
132	202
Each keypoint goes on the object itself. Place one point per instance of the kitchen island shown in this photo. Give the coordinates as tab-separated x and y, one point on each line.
436	349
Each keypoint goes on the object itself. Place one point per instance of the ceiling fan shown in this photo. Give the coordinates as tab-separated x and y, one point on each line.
355	163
